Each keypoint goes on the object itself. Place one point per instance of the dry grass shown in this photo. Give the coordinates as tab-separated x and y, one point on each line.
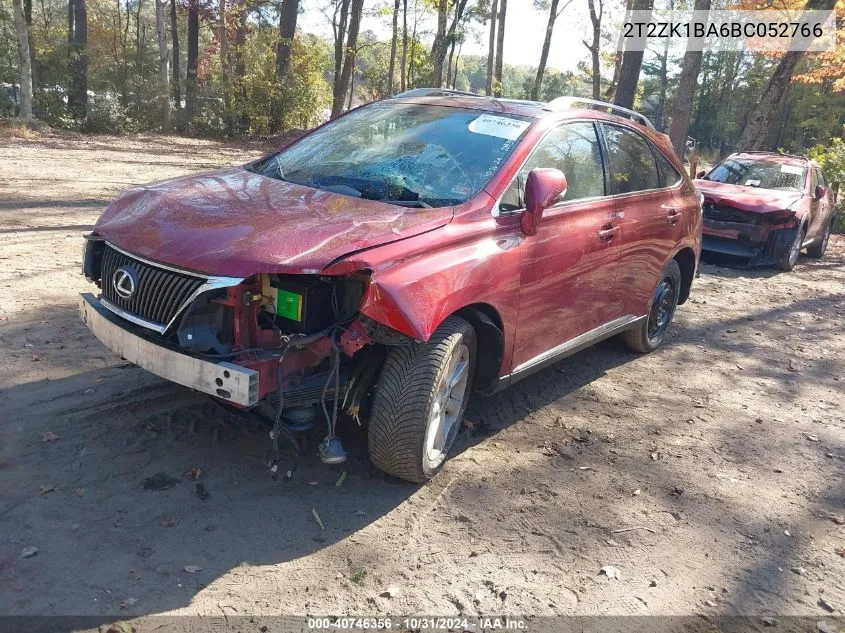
15	128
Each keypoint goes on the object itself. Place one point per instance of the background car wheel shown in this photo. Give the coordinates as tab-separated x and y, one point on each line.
817	250
790	258
648	336
420	401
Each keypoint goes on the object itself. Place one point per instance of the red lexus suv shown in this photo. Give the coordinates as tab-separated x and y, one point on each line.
765	208
394	260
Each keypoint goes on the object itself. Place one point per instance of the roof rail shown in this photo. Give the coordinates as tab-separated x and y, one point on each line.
562	103
434	92
761	151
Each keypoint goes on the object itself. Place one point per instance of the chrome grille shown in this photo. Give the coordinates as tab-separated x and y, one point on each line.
159	293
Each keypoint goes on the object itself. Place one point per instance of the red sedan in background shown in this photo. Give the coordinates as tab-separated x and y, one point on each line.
766	207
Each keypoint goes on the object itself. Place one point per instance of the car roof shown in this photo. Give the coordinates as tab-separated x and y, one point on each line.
522	107
786	159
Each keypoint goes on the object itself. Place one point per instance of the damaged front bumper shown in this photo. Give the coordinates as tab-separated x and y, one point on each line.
760	244
227	381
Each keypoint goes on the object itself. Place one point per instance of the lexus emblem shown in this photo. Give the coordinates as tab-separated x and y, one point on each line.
123	282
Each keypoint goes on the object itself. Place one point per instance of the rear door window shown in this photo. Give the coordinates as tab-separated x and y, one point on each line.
574	149
632	164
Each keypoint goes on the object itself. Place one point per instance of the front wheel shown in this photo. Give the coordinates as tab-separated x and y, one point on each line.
420	401
648	336
817	250
790	258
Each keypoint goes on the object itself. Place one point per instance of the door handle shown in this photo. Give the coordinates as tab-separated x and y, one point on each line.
608	232
673	216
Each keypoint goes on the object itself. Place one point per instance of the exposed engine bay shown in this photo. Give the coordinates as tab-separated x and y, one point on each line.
315	355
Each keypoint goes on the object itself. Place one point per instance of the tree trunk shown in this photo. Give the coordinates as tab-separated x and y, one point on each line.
339	27
163	68
758	120
33	64
22	33
287	31
78	95
595	46
225	68
617	59
391	84
438	48
174	39
193	61
356	9
632	61
403	81
240	65
544	54
455	71
140	41
500	48
491	50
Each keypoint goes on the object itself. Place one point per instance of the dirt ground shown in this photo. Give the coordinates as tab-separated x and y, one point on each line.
709	474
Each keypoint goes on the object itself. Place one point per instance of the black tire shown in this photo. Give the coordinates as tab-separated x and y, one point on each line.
648	336
818	249
406	396
790	258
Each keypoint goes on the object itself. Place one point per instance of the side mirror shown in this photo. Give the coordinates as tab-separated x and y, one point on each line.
700	174
820	192
543	188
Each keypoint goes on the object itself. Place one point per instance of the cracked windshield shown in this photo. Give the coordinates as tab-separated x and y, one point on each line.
405	154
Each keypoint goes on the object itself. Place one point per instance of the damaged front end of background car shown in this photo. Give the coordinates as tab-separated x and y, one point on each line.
763	236
295	346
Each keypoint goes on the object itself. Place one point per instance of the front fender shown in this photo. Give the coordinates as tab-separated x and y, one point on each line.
417	283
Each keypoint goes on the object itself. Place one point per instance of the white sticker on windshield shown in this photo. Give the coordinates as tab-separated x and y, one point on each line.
752	183
498	126
791	169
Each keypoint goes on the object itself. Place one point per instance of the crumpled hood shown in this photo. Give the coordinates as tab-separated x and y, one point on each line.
751	199
237	223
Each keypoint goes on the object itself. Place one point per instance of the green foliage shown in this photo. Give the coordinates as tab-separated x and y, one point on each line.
831	158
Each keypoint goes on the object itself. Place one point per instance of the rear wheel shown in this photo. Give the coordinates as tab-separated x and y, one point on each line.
648	336
790	258
420	401
817	250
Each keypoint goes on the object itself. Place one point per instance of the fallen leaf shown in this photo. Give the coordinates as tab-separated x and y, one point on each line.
637	492
787	533
193	473
841	551
49	436
812	438
29	551
192	569
824	604
45	488
610	571
710	603
318	519
827	627
79	492
168	522
37	357
128	603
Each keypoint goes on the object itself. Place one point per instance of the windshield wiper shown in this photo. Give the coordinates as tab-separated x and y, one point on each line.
407	203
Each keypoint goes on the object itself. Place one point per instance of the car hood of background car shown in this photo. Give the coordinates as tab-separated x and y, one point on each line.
238	223
751	199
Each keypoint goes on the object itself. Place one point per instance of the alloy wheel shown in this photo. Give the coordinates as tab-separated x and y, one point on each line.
661	308
447	407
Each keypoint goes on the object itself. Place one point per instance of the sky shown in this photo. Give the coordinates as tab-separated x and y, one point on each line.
524	32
